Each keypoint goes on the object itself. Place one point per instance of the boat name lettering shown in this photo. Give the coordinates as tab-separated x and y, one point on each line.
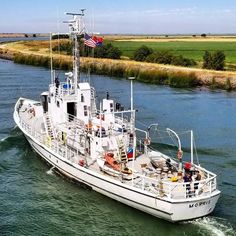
198	204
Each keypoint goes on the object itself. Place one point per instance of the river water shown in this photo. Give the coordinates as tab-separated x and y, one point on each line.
36	201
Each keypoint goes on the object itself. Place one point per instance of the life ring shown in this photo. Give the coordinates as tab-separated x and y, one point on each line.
147	141
180	154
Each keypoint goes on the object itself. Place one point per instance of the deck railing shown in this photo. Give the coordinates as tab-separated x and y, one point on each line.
159	187
175	190
56	146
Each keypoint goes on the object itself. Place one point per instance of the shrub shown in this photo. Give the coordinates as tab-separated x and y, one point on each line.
182	61
112	52
162	57
207	60
60	36
215	61
166	57
141	53
65	47
107	51
218	62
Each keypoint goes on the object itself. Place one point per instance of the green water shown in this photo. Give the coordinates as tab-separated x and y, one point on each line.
36	201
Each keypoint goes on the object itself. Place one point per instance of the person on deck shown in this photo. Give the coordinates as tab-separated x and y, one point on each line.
57	82
187	179
197	178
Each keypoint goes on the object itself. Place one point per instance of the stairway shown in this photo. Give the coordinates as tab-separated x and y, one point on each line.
93	102
122	152
48	126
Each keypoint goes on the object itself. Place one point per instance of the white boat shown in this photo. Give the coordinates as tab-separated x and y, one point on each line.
98	147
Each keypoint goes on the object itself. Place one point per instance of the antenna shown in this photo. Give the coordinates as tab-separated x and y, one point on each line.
76	28
76	14
73	14
82	11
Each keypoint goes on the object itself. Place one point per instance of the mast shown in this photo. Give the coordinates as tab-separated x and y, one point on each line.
191	134
132	120
51	60
76	26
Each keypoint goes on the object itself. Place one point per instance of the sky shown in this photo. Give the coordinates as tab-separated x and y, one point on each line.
121	16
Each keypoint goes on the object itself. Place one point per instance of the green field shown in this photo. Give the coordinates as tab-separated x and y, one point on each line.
194	50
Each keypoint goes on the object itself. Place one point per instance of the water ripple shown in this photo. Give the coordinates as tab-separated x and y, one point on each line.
215	226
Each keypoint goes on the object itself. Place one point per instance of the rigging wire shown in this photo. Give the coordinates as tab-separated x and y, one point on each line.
195	149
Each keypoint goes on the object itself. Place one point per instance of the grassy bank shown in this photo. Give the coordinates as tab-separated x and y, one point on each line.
192	49
33	53
144	72
114	68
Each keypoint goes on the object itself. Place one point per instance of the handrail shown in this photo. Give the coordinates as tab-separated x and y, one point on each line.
159	187
184	189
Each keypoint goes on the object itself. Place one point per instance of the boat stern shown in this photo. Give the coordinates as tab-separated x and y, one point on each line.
193	208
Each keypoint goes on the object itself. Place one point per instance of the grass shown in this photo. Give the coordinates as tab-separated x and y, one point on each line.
37	53
190	49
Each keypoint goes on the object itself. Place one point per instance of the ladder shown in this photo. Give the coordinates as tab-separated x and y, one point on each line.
122	151
48	126
93	102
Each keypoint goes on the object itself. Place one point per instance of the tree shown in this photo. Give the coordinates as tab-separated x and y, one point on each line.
166	57
162	57
207	60
215	61
203	35
141	53
182	61
107	51
218	62
113	53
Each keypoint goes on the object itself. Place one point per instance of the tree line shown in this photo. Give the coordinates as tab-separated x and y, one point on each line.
145	53
214	60
211	60
104	51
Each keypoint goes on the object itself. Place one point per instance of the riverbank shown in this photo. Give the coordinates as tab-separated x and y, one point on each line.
21	35
35	53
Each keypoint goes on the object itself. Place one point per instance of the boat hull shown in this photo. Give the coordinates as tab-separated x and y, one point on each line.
161	208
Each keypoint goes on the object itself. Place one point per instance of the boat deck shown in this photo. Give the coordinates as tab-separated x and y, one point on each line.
144	175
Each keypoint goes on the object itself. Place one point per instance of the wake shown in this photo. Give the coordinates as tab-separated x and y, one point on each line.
214	225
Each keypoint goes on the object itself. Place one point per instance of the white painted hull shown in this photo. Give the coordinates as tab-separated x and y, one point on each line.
169	210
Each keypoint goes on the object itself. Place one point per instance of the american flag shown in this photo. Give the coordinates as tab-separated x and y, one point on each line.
89	41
